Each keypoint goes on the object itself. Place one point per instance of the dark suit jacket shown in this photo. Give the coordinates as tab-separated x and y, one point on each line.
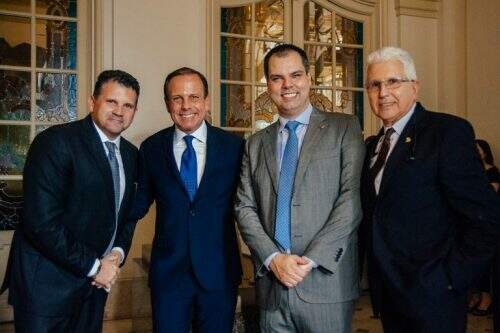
199	235
69	217
430	232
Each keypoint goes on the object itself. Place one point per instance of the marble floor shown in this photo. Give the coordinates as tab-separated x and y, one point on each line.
363	322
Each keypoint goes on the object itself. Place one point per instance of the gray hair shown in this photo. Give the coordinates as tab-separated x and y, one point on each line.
394	53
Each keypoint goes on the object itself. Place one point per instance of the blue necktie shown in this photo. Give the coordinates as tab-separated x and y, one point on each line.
285	187
115	173
189	167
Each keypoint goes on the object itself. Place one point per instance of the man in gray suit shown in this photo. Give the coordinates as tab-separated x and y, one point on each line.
298	205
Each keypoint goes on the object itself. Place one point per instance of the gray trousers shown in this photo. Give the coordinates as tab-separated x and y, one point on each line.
295	315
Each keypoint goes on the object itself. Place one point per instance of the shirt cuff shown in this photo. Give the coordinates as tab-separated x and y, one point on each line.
94	269
119	250
267	262
312	262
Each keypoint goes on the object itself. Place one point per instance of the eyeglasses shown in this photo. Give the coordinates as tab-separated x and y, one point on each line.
391	84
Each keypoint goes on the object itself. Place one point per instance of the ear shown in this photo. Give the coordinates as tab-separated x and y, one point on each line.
91	104
207	103
416	88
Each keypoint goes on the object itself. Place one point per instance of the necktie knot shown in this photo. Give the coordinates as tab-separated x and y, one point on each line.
389	132
111	147
292	125
189	140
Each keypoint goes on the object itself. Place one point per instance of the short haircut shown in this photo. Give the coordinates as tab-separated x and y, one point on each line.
185	71
485	147
283	50
394	53
119	76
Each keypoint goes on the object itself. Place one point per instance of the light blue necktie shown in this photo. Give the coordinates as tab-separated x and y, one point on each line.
285	187
189	167
115	173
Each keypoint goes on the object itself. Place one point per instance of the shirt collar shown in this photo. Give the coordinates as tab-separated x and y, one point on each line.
302	118
104	138
200	134
399	125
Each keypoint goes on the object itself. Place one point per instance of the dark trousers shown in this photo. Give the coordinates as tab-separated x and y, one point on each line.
85	317
496	290
189	305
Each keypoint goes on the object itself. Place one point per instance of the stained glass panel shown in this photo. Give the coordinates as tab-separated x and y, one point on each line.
40	128
269	19
56	44
349	67
317	23
237	20
261	48
348	31
320	60
322	99
14	143
350	102
56	97
235	59
236	107
11	202
56	7
15	47
266	112
15	93
16	5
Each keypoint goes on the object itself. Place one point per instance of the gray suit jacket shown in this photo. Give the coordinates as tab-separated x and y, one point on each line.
326	207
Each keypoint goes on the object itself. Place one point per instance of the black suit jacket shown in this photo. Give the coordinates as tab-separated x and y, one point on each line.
196	236
431	230
69	217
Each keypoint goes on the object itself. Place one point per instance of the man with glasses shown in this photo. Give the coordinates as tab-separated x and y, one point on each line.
430	217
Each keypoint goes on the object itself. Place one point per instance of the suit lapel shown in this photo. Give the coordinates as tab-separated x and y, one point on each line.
128	167
168	149
213	145
269	140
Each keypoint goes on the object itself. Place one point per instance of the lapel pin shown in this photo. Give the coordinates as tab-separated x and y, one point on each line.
323	126
407	139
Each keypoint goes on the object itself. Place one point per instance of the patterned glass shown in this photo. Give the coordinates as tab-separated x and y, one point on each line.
317	23
265	110
236	106
349	67
56	44
348	31
320	60
269	19
15	95
56	7
322	99
56	97
14	143
235	59
261	48
237	20
16	5
350	102
15	47
11	203
40	128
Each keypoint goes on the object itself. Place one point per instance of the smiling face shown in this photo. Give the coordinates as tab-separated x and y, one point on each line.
288	84
113	109
186	102
390	105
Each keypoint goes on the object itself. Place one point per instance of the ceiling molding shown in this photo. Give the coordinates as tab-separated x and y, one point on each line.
419	8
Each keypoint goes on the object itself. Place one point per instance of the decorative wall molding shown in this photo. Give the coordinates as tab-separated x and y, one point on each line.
419	8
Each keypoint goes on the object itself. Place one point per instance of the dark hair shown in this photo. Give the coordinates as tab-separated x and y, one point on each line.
485	147
185	71
281	51
116	75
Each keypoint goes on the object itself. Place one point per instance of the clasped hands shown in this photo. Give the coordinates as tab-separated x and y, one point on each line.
290	269
109	270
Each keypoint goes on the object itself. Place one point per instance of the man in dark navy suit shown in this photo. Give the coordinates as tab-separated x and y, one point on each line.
78	187
191	170
430	217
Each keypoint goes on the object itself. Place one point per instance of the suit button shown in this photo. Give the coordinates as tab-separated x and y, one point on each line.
450	287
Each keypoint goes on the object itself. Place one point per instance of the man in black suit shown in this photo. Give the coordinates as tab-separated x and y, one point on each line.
430	217
78	187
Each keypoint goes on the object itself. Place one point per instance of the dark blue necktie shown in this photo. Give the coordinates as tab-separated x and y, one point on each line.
115	173
285	187
189	167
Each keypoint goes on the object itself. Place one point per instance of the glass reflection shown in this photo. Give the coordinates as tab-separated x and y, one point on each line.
235	59
56	7
15	95
16	5
237	20
317	23
348	31
56	41
14	143
236	106
269	18
11	203
15	47
56	97
349	67
320	59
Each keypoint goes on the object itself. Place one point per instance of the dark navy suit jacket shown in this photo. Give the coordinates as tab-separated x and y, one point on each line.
431	229
196	236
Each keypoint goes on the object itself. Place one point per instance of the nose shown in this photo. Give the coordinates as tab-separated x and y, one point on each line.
186	104
287	82
384	91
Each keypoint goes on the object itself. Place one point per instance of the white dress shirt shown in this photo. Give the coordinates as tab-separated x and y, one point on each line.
199	145
398	127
